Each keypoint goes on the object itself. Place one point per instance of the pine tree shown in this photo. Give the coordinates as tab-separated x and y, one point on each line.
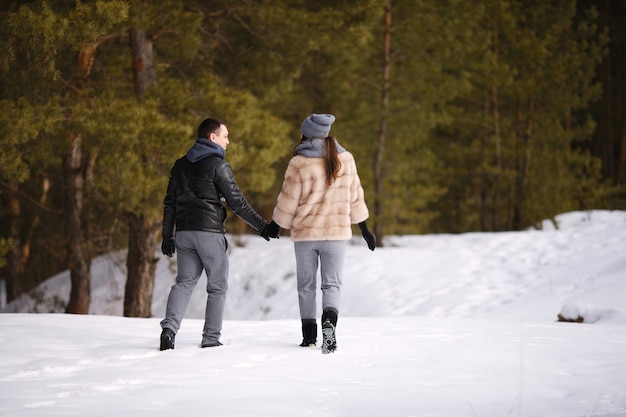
511	145
609	138
128	141
428	44
46	53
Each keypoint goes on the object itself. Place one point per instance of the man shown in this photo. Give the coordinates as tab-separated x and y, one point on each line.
198	184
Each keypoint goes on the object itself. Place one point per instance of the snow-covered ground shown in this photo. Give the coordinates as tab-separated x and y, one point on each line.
434	325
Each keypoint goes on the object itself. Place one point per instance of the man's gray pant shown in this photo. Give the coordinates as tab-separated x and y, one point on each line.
196	251
330	254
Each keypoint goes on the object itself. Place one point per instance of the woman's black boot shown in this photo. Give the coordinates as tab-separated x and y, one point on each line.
329	323
309	332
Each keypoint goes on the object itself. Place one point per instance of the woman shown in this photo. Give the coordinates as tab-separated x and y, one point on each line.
321	198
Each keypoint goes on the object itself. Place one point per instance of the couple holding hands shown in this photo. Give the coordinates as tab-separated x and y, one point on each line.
321	197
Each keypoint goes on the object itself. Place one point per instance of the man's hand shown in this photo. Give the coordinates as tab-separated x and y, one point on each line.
271	230
168	247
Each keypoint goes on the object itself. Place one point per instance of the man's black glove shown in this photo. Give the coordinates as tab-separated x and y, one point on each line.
168	247
369	238
271	230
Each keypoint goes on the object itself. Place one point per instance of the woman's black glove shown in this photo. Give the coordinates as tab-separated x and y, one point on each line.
168	247
369	238
271	230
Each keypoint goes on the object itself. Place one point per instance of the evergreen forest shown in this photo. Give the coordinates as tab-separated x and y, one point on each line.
463	116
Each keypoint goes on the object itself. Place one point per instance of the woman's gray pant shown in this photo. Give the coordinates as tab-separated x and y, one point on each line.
196	251
330	254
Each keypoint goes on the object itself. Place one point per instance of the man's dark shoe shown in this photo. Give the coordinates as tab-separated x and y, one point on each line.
167	339
209	345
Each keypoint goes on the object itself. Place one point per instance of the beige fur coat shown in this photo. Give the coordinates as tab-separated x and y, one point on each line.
314	210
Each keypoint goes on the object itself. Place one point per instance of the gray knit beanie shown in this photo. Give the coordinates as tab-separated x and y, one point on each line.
317	125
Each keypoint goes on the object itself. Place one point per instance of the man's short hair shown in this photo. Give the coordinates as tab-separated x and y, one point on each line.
209	126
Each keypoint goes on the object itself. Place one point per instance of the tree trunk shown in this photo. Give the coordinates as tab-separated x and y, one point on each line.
621	163
603	145
480	188
78	259
15	263
382	129
141	266
144	75
523	165
22	231
495	219
609	138
142	232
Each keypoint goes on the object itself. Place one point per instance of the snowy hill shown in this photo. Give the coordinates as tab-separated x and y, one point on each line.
433	325
527	275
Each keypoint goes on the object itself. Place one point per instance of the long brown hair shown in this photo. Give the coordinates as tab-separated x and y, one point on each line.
331	158
333	164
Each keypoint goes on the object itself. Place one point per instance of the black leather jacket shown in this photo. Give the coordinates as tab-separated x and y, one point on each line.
195	193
